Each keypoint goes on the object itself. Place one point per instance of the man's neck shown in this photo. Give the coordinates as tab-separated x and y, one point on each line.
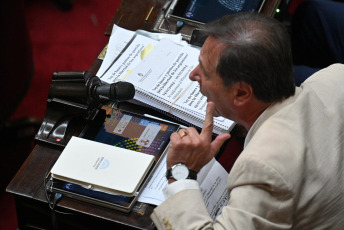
252	113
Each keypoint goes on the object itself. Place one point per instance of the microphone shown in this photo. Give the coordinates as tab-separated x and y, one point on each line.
120	91
85	88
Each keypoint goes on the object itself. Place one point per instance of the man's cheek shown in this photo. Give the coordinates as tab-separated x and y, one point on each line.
202	92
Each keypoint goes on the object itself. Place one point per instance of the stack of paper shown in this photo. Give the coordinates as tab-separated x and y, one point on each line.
159	69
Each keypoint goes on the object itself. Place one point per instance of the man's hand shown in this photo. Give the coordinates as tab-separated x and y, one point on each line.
193	149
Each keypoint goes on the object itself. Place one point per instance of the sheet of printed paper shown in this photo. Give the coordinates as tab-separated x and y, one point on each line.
152	193
118	40
120	37
213	184
214	189
139	48
165	74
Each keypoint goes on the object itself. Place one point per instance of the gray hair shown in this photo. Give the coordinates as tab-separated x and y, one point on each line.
257	51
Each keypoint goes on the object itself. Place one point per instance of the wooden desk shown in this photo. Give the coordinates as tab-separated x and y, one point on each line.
33	210
27	186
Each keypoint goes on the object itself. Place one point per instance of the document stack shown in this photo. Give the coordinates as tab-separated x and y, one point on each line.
158	66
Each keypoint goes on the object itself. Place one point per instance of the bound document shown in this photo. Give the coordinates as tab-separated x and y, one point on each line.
113	158
102	167
159	69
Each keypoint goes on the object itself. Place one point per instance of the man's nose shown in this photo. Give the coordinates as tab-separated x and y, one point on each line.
194	75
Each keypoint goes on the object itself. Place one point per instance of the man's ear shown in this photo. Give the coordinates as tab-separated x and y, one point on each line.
243	93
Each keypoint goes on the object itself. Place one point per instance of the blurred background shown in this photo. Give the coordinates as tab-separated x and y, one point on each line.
39	37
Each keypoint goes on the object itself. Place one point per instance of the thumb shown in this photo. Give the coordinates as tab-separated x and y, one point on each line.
218	142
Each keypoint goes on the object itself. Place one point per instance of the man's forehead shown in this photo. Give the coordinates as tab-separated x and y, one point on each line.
211	50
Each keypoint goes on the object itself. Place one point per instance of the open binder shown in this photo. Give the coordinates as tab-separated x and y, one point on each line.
159	69
112	163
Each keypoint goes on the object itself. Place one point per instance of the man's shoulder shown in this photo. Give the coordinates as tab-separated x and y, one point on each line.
331	74
324	91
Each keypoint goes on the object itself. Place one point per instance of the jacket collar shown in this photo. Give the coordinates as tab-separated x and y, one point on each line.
269	112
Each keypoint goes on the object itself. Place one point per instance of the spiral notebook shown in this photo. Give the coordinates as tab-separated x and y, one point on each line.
159	70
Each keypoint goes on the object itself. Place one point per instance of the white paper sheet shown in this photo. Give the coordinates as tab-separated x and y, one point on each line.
213	183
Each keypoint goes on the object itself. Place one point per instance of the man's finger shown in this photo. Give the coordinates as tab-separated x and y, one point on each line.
208	122
218	142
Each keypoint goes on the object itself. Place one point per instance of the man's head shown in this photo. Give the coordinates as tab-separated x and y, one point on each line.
248	49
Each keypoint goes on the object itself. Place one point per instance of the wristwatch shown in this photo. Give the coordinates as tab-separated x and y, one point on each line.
180	171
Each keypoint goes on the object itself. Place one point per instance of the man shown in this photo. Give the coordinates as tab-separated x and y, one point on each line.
290	174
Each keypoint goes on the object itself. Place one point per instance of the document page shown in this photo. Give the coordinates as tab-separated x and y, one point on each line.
118	40
214	189
120	37
213	183
165	74
138	49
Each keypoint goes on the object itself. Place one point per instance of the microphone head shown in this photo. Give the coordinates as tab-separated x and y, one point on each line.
123	91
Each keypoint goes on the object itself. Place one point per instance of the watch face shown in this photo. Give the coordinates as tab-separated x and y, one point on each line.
180	171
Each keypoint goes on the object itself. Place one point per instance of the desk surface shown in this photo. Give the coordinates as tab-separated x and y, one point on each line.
28	184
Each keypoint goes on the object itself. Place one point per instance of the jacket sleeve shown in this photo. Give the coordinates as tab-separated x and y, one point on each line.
260	198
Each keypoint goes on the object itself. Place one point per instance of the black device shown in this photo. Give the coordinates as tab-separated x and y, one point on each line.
197	37
130	131
73	103
203	11
88	90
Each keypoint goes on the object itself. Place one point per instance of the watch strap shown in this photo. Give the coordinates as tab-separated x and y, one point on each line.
192	174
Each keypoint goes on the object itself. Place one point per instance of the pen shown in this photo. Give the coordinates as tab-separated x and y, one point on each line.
149	13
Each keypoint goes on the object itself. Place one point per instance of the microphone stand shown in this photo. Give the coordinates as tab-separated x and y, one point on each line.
71	107
74	87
